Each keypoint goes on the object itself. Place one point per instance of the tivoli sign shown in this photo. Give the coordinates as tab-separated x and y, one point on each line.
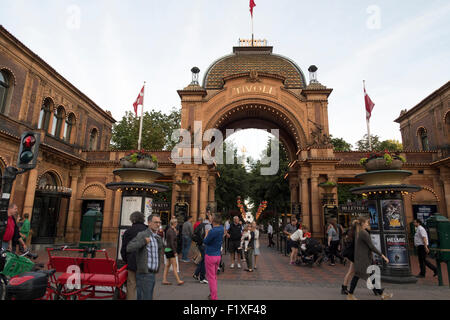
252	88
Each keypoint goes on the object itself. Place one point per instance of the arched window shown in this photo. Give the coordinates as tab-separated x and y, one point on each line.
93	140
44	116
5	87
48	181
423	137
58	119
70	122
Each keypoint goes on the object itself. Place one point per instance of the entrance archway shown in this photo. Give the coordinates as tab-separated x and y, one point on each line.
254	88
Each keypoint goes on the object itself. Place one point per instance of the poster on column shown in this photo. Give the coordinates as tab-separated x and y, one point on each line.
392	215
396	250
129	205
376	240
373	214
148	210
121	232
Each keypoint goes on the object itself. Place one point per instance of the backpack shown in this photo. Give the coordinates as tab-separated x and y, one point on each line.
199	234
313	246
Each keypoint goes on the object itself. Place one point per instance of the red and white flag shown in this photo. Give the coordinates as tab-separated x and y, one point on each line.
139	100
369	104
252	5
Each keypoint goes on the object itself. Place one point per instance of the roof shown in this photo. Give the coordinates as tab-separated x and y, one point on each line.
45	65
260	59
405	114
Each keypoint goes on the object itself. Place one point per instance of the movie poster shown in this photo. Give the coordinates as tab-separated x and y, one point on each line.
397	250
423	212
373	214
376	240
129	205
392	215
148	210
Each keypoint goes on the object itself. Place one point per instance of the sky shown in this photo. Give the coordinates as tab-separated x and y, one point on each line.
108	48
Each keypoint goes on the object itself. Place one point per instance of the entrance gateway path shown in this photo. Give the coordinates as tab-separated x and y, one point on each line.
255	88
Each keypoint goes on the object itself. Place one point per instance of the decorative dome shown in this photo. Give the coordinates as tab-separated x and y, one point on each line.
260	59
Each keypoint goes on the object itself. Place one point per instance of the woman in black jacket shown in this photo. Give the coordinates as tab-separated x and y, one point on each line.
170	252
137	219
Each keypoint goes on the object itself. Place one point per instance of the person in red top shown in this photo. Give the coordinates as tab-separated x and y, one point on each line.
10	226
200	220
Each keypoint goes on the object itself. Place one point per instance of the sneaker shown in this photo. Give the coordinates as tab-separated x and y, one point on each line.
255	267
351	297
239	265
196	277
387	296
232	266
185	260
204	281
332	264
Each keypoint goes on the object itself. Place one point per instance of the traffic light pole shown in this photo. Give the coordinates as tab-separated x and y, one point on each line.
7	181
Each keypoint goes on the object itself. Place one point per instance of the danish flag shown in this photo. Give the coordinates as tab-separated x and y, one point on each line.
369	104
252	5
139	100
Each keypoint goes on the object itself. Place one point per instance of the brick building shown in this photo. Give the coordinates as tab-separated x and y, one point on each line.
250	88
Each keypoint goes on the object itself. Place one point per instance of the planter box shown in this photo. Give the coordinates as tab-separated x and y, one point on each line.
378	164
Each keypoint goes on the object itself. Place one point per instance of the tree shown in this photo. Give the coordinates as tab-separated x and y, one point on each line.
377	145
233	182
340	144
391	145
363	144
156	131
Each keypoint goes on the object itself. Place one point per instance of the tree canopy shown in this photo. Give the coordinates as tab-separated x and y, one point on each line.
340	144
377	145
156	131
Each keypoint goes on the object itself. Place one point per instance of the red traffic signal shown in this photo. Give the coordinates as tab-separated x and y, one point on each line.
29	149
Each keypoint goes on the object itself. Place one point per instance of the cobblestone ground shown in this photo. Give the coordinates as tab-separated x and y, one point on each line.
276	279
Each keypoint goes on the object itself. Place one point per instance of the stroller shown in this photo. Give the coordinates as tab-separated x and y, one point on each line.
310	252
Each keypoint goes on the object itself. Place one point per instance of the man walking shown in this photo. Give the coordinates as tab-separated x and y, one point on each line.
137	219
213	243
421	242
234	234
198	237
187	233
148	247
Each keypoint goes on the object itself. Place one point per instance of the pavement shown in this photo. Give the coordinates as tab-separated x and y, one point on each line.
276	279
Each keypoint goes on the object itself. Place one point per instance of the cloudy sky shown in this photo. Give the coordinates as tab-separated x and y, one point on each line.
108	48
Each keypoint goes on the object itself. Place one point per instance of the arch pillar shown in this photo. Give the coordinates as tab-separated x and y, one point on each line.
194	196
71	230
203	193
316	208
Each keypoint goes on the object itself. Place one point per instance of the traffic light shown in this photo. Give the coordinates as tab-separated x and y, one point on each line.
29	149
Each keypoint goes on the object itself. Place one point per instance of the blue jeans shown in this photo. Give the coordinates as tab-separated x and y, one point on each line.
5	245
201	271
186	246
145	283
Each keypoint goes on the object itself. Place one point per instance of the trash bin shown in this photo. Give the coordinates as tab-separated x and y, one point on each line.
438	228
91	229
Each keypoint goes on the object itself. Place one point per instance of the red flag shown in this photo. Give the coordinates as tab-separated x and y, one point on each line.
139	100
252	5
369	104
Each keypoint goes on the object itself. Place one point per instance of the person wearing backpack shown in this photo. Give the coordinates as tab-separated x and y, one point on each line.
234	234
198	237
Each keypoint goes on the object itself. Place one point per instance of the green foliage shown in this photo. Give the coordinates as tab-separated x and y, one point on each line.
344	193
328	183
156	132
377	145
387	157
340	144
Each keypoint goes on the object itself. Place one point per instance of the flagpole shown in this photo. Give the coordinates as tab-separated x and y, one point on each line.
141	122
367	119
252	32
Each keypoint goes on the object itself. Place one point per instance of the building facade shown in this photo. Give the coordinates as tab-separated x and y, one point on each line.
250	88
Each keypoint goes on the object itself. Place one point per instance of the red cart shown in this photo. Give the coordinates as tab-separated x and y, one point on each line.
99	278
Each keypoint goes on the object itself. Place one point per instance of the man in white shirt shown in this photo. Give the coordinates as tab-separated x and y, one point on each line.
421	242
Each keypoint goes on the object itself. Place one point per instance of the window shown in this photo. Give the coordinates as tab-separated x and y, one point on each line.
423	139
93	140
70	122
48	181
44	116
4	90
58	118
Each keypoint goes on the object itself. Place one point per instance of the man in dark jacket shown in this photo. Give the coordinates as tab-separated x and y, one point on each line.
137	219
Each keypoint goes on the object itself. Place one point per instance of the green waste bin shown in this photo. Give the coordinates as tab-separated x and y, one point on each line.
91	229
439	238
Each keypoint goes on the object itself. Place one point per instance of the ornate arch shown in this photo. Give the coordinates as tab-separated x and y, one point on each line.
446	115
284	118
3	162
13	75
94	191
58	176
421	129
429	189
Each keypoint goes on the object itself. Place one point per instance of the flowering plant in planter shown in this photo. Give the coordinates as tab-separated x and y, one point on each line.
328	184
384	160
139	159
